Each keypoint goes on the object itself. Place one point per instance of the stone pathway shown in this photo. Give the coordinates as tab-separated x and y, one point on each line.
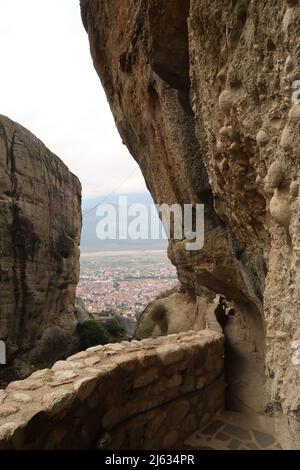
235	431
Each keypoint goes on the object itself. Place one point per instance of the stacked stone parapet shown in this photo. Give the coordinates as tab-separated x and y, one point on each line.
148	394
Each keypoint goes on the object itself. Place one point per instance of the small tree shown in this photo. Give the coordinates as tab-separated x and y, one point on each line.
91	333
113	327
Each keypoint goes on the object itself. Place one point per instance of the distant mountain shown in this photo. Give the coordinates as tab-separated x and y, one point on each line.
89	239
133	198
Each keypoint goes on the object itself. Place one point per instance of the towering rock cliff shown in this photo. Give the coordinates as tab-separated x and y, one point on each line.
40	222
201	92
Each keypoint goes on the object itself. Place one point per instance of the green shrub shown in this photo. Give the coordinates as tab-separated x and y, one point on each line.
44	365
113	327
91	333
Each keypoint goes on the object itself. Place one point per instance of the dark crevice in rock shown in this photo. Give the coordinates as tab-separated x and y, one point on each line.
169	48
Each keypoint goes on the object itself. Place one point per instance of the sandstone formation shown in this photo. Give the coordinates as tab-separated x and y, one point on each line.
80	312
177	312
150	394
40	222
201	92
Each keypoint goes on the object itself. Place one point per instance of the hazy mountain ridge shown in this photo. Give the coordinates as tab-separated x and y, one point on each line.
89	240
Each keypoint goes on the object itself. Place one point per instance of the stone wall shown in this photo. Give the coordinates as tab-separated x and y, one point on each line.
131	395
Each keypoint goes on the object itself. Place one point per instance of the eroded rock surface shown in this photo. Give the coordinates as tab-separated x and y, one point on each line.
201	92
172	314
40	222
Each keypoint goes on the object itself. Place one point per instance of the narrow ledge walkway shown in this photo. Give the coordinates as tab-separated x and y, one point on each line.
235	431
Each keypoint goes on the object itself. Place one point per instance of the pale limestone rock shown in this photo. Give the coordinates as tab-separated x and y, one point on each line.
3	395
6	430
28	384
58	402
226	101
80	355
63	377
172	314
7	410
276	175
287	138
170	354
92	361
294	113
42	374
85	387
280	208
296	352
67	365
262	138
114	347
95	349
22	397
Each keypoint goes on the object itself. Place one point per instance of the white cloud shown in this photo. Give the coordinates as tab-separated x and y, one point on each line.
49	85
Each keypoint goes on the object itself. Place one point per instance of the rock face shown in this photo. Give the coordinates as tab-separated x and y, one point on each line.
40	223
175	313
201	92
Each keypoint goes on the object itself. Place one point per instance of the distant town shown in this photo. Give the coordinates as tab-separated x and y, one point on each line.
125	282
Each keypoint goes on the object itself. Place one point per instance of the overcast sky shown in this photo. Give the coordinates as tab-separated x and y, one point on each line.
49	85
